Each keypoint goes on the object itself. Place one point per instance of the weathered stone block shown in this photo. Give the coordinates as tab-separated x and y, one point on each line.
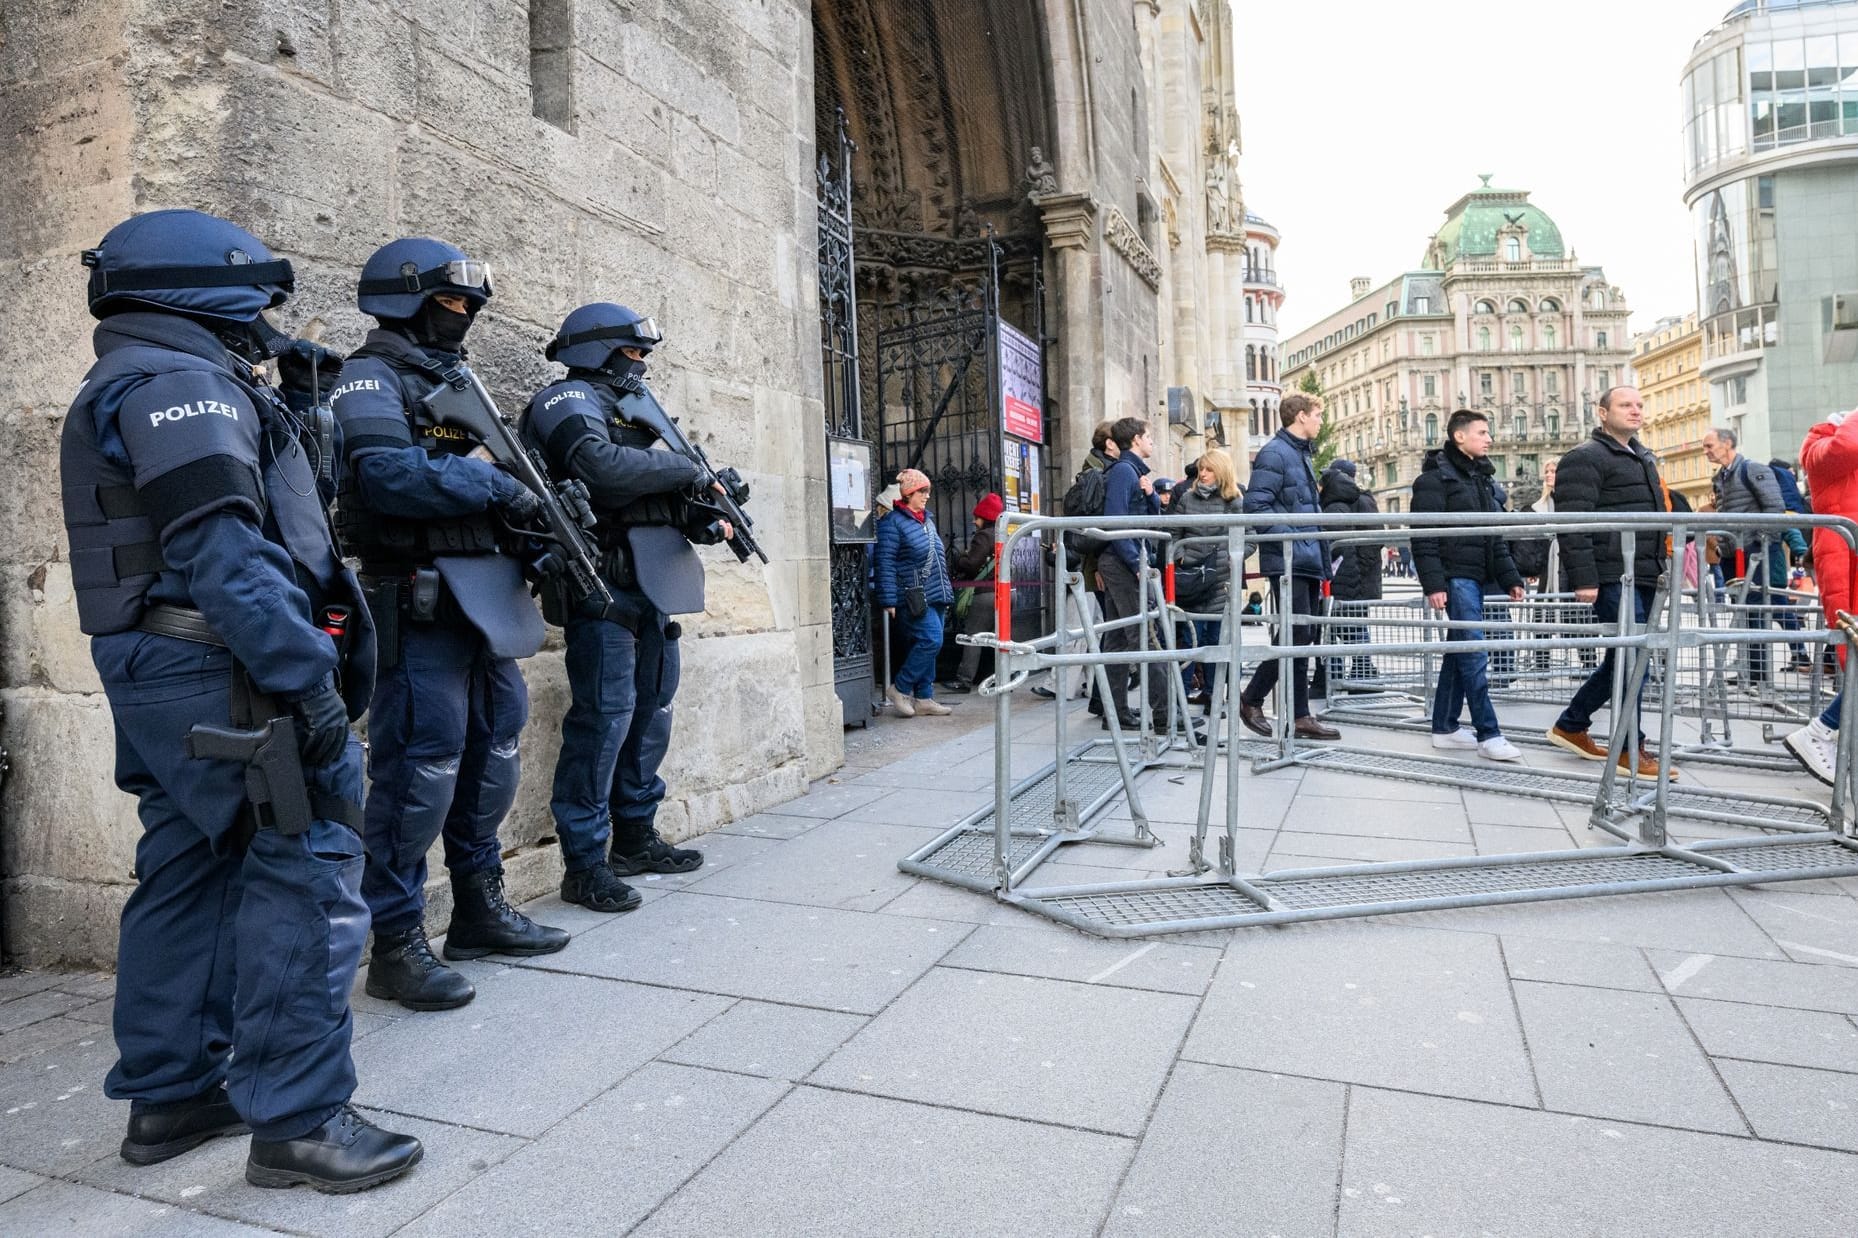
69	162
55	923
474	105
611	105
674	77
376	64
42	647
65	818
46	40
31	509
56	336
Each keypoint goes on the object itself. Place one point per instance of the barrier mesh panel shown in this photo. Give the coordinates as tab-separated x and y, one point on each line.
1360	889
1157	906
1822	854
971	853
1085	781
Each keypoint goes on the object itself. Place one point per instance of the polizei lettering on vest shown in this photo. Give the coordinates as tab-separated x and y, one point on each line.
569	394
181	412
359	384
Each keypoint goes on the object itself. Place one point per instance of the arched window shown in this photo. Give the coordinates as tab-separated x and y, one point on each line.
1484	307
1518	306
1512	249
1550	305
1483	339
1597	298
1548	335
1251	364
1599	340
1248	309
1432	429
1516	339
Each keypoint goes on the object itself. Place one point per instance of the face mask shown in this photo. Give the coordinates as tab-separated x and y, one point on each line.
254	342
441	329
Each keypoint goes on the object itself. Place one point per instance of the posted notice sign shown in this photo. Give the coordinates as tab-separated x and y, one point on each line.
1021	386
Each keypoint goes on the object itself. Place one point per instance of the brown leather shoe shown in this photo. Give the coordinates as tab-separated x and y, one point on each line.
1255	721
1310	728
1648	764
1580	743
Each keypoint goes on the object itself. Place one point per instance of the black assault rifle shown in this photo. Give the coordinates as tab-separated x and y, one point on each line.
639	406
460	400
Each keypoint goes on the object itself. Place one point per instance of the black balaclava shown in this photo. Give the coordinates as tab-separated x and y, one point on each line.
254	342
438	328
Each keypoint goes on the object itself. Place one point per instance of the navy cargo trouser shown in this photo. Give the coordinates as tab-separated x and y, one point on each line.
442	755
247	957
622	676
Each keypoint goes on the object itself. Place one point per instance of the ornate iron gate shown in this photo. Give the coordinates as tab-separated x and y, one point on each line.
852	672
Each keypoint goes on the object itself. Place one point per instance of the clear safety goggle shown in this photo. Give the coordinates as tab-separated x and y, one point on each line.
647	329
460	273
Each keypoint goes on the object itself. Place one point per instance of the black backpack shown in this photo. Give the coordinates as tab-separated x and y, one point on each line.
1084	498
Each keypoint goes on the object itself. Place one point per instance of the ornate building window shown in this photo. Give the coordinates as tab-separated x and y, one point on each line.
1552	423
1512	249
1551	382
1599	340
1251	364
1426	345
1432	429
1550	305
1516	339
1486	386
1429	387
1518	306
1549	339
1484	307
1483	339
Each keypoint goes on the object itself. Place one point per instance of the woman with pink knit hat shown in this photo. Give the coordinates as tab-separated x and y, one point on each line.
974	565
912	576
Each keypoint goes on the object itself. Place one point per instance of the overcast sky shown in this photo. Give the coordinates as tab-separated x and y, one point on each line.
1363	121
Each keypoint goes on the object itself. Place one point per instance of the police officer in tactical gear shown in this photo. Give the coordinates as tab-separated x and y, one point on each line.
207	580
432	523
622	658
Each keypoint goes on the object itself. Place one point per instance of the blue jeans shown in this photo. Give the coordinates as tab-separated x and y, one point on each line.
1464	677
1593	695
916	676
1831	716
616	731
442	737
235	961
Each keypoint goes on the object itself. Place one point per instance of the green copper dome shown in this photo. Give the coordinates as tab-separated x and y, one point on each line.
1473	222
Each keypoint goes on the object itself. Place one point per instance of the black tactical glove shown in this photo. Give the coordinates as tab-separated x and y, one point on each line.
322	727
519	504
307	367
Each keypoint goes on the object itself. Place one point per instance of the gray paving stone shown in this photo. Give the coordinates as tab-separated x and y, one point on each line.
1060	953
16	1182
1292	847
531	1048
24	983
1421	1165
48	1034
1380	1004
98	1012
1681	920
1803	986
607	1166
871	1165
932	900
1172	853
761	1038
1517	839
806	956
87	984
1276	1142
1362	789
1489	808
1176	798
63	1208
770	825
1047	876
1773	1034
212	1178
1797	1105
1595	964
916	807
1614	1054
44	1004
1403	819
1019	1046
846	864
829	800
54	1118
1811	928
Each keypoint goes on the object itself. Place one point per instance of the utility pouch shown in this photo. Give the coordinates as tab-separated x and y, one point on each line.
383	595
423	605
915	602
552	592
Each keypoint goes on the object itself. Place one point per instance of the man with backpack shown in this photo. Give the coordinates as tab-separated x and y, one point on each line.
1743	486
1128	491
1085	498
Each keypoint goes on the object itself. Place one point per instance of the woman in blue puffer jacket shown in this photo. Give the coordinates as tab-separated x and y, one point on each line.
910	556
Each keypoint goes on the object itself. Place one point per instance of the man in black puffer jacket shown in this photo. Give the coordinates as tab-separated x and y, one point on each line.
1610	472
1455	572
1357	568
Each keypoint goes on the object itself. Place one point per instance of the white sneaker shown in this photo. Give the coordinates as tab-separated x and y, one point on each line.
1462	739
1497	748
930	707
1815	746
900	703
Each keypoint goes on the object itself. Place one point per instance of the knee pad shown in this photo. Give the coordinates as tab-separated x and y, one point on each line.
431	783
503	769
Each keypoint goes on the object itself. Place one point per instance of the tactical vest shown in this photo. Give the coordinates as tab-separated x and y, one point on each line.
395	545
614	521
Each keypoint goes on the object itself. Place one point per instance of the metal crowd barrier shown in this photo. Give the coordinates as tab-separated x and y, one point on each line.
1541	641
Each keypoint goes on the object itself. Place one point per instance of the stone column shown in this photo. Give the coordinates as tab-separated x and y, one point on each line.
1071	230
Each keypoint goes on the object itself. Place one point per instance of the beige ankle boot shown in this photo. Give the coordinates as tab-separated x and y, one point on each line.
900	703
930	706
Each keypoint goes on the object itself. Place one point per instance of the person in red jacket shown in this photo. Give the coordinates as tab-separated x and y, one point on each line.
1829	458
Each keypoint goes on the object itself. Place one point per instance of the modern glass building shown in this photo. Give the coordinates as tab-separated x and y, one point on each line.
1770	99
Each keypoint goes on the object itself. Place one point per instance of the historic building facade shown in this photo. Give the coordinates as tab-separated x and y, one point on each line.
1501	317
1028	220
1770	142
1667	364
1264	297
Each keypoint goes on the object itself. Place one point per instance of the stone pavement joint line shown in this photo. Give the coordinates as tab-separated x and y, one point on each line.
817	1043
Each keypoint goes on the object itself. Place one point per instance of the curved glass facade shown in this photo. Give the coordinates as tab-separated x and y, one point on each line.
1793	78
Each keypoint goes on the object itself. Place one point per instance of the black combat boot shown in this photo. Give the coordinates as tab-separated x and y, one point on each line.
598	889
483	922
345	1154
404	969
157	1132
637	849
